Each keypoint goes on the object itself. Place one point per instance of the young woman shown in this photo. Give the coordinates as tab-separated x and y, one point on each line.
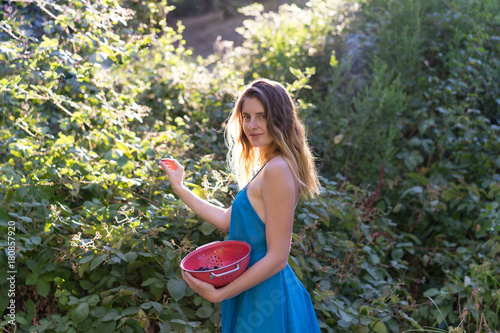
263	133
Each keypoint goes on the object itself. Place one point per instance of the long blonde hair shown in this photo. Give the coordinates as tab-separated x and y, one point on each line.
286	130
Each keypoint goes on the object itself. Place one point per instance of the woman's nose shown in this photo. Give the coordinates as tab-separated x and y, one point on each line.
253	123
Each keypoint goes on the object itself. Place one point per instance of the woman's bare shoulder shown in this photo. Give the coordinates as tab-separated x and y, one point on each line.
277	164
278	171
278	186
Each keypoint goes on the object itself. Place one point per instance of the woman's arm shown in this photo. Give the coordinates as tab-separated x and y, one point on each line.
218	217
279	192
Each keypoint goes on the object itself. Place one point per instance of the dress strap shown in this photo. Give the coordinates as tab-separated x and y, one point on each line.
262	167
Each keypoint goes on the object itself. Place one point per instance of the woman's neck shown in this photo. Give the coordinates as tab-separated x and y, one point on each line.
264	155
267	153
264	159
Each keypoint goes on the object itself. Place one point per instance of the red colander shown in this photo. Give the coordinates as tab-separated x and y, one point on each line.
218	263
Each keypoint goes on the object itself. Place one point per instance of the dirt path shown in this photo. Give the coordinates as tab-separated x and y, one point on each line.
202	31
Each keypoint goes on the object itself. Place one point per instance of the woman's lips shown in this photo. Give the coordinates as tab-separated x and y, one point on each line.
254	136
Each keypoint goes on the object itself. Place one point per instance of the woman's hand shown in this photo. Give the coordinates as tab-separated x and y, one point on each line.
174	171
202	288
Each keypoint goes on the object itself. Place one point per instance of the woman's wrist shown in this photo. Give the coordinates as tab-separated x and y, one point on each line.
220	295
178	188
226	292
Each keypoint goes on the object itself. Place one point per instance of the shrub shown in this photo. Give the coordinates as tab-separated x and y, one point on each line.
401	103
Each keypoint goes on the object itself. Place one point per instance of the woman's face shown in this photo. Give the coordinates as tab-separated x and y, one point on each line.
255	123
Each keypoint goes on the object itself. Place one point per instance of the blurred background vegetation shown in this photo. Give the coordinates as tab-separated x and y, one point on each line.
402	104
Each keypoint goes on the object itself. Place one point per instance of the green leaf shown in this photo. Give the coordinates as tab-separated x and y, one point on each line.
42	287
215	317
106	327
204	312
98	312
93	300
30	308
207	229
112	314
413	160
125	292
4	218
86	259
467	282
345	316
21	320
364	310
199	193
80	313
118	244
97	261
131	256
431	292
146	306
98	57
411	320
48	43
450	194
64	140
129	311
108	299
16	153
31	278
124	149
295	266
37	240
176	288
412	190
83	268
378	327
424	181
26	219
194	323
158	307
119	254
73	300
296	72
149	281
397	254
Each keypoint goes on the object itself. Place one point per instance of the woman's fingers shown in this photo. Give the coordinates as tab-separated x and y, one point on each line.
196	284
175	164
173	170
188	278
202	288
171	164
192	281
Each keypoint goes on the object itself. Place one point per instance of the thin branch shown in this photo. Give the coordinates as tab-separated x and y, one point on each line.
9	31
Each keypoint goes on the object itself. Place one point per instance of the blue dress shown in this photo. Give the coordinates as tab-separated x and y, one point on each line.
280	304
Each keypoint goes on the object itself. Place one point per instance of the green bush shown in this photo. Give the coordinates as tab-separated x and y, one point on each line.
438	138
409	85
401	103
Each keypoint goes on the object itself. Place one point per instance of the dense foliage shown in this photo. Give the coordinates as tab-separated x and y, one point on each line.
402	102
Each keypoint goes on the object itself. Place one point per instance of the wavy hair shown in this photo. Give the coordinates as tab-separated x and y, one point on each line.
286	130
